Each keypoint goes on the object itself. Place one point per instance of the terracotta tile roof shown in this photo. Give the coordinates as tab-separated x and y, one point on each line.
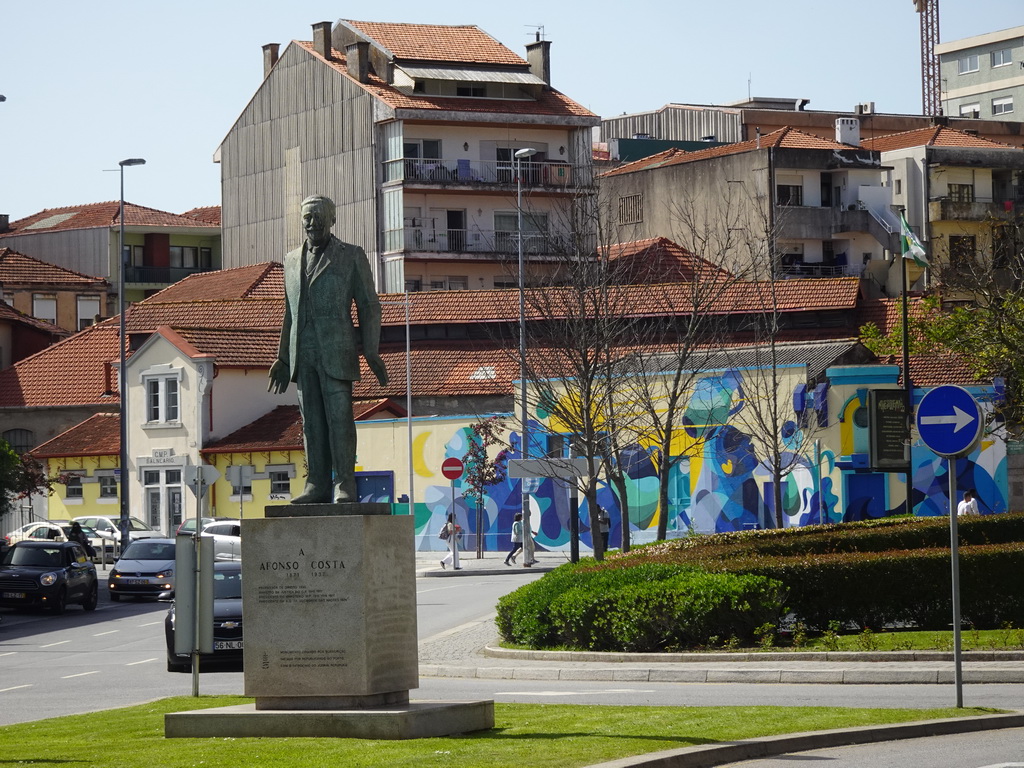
9	314
788	138
443	368
502	304
99	435
100	215
437	42
932	136
17	268
264	280
281	429
254	314
657	260
209	214
936	370
246	348
885	313
548	103
75	371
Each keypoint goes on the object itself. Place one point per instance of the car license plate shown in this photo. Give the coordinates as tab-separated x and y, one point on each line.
14	595
227	645
136	581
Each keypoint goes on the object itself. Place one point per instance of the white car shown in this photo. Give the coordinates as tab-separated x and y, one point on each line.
41	530
227	538
108	529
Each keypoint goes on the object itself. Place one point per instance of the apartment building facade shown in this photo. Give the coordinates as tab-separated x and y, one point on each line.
983	76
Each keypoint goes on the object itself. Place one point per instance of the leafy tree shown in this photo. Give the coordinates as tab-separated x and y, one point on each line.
481	471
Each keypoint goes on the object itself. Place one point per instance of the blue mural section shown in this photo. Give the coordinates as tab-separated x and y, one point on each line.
722	485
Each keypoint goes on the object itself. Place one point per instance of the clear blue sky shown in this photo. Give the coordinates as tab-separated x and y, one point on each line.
91	83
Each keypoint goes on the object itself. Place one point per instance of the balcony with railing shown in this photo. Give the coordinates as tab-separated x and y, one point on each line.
962	205
800	270
160	275
474	242
464	172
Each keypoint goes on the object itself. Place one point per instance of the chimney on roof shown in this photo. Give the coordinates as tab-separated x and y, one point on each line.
357	59
5	222
538	53
322	39
269	57
848	131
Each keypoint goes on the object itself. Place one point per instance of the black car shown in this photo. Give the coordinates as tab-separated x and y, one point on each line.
47	574
227	621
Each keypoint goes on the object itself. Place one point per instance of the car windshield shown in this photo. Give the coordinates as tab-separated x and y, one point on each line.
227	584
149	550
45	557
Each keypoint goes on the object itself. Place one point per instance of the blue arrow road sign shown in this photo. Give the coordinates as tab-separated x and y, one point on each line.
949	421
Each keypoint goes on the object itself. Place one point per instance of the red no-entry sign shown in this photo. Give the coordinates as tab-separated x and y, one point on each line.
452	468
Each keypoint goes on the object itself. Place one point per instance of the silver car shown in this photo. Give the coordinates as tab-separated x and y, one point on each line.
145	569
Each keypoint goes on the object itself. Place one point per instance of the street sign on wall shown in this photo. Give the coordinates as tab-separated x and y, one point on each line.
949	421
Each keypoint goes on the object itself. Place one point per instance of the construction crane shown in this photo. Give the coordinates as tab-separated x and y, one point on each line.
931	90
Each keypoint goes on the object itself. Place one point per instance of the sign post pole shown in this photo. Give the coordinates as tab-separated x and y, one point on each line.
950	423
452	468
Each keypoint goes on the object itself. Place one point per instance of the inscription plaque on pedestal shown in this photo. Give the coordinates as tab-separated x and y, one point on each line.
329	611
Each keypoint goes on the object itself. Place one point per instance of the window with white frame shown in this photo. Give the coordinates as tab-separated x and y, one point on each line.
970	110
961	193
422	149
1002	106
88	308
44	307
74	486
161	385
1002	57
967	64
280	482
108	486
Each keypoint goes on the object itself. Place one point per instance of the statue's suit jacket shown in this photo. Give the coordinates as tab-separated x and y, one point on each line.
344	277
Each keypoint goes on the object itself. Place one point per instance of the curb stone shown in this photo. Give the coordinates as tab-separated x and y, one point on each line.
708	755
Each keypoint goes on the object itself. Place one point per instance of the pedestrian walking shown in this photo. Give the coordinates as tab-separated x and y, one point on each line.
451	533
969	506
517	538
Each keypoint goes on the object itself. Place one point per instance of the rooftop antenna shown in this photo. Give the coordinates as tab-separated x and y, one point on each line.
538	31
749	77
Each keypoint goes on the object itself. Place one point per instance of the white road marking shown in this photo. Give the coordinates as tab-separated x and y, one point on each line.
152	623
59	642
9	653
144	661
570	693
5	690
81	674
101	634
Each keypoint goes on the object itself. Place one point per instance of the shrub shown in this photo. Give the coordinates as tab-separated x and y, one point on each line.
644	608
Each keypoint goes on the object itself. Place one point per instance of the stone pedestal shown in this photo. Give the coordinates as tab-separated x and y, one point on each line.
329	610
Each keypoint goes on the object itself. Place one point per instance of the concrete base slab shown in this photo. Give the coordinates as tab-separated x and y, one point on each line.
415	720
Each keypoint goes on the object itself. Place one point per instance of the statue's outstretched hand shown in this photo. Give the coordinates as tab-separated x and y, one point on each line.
378	368
278	377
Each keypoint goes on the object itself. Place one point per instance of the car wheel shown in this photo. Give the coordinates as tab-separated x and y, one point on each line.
60	603
173	665
92	599
115	597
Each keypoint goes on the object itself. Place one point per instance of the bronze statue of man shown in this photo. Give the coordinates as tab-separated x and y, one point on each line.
320	347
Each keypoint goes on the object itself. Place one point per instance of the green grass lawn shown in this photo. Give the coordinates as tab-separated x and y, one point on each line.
560	736
913	640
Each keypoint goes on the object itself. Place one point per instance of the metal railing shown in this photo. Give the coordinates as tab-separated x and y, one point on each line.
474	241
463	171
166	275
796	271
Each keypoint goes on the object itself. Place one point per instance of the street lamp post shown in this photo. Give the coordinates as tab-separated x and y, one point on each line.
123	374
524	430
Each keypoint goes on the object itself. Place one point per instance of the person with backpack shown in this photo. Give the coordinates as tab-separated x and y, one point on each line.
451	533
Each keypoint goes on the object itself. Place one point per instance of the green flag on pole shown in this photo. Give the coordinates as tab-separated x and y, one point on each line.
909	244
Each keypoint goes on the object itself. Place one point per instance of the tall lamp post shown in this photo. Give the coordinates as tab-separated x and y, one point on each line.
525	430
123	374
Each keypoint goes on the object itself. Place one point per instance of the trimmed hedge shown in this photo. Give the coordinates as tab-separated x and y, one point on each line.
648	607
687	592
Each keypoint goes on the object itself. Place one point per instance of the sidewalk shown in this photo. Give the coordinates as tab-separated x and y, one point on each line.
472	651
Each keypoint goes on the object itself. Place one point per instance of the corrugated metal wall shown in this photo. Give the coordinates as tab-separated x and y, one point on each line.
308	130
675	123
92	251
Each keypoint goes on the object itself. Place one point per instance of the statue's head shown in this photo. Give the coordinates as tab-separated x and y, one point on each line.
318	216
